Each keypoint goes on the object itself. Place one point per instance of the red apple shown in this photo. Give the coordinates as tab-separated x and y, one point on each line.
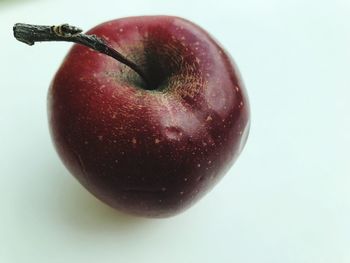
149	150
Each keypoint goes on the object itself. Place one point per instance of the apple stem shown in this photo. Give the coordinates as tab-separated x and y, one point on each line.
29	34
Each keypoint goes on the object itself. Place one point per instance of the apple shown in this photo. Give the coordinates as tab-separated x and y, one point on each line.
150	147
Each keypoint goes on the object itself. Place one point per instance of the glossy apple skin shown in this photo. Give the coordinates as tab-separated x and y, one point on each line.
151	153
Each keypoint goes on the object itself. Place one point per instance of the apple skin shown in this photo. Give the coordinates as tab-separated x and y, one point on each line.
150	153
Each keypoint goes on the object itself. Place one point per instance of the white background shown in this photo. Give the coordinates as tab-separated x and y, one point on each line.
287	199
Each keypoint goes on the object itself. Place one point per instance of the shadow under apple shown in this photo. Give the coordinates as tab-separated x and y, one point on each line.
77	208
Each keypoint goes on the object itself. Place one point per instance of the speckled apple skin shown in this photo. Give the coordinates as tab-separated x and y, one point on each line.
150	153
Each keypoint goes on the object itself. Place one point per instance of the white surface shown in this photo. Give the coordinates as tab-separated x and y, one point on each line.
287	199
